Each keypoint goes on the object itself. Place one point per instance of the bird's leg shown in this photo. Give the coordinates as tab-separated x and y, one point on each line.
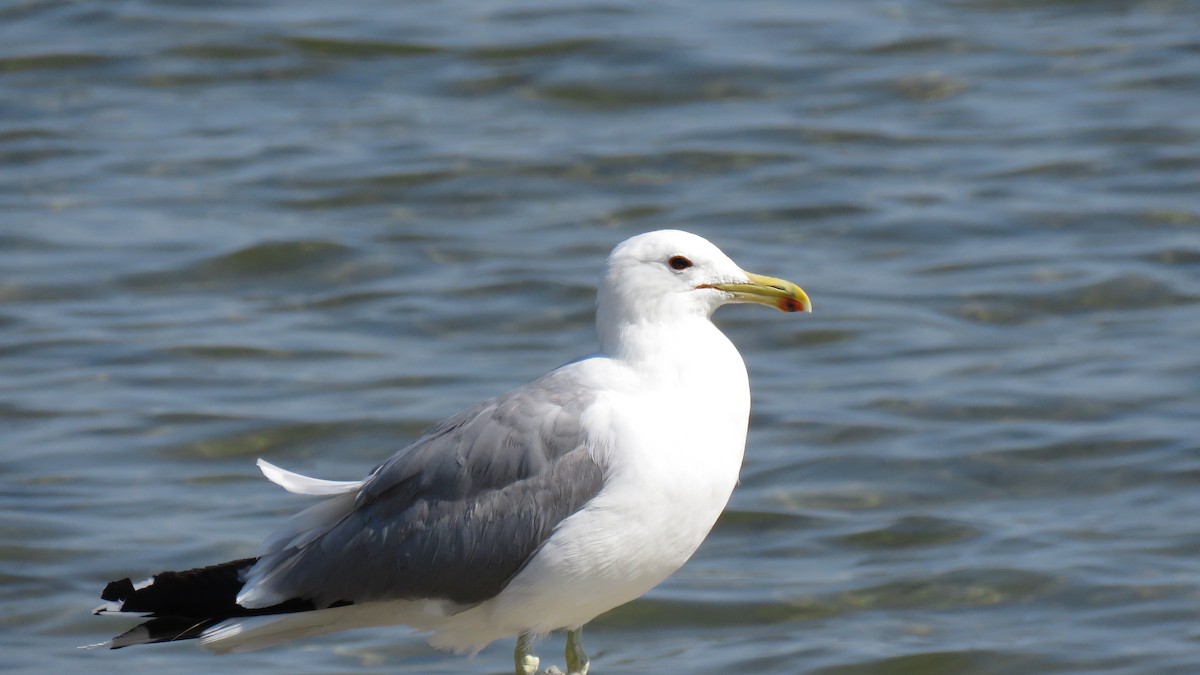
527	663
577	661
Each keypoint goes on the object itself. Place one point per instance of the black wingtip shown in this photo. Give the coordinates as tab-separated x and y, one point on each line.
182	605
202	593
163	629
117	591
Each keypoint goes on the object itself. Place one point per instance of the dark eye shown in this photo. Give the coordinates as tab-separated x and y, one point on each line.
678	262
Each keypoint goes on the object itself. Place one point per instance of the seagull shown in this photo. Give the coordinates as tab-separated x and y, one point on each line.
532	512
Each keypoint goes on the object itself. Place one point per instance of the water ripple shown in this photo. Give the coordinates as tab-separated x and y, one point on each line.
309	231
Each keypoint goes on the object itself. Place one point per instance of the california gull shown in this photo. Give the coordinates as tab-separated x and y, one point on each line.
534	511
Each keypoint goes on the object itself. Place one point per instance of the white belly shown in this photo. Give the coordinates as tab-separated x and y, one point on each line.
673	457
658	504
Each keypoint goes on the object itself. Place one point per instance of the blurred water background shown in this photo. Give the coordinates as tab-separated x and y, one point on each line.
304	231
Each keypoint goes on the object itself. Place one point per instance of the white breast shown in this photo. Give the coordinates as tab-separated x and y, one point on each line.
674	450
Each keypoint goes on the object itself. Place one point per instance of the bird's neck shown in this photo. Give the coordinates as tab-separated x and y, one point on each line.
690	348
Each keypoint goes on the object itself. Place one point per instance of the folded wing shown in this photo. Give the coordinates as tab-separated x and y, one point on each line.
453	517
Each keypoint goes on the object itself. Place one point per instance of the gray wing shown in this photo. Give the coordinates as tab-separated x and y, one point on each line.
454	516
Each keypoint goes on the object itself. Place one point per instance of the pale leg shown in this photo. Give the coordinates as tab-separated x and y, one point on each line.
527	663
577	661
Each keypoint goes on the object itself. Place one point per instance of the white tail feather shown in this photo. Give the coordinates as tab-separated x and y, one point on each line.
257	632
305	485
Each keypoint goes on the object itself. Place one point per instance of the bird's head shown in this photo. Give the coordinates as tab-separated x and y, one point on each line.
671	275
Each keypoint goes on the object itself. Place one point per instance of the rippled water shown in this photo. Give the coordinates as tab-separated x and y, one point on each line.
304	231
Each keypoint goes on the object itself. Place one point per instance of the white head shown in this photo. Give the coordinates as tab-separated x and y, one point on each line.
671	276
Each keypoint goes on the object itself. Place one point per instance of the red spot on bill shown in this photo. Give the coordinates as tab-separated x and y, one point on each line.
790	305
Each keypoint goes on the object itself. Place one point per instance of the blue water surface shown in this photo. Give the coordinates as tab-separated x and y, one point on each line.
305	231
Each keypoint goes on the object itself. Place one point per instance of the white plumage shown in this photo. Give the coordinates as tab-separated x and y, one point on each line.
631	454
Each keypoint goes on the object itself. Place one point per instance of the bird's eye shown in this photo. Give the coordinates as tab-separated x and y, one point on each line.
678	262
